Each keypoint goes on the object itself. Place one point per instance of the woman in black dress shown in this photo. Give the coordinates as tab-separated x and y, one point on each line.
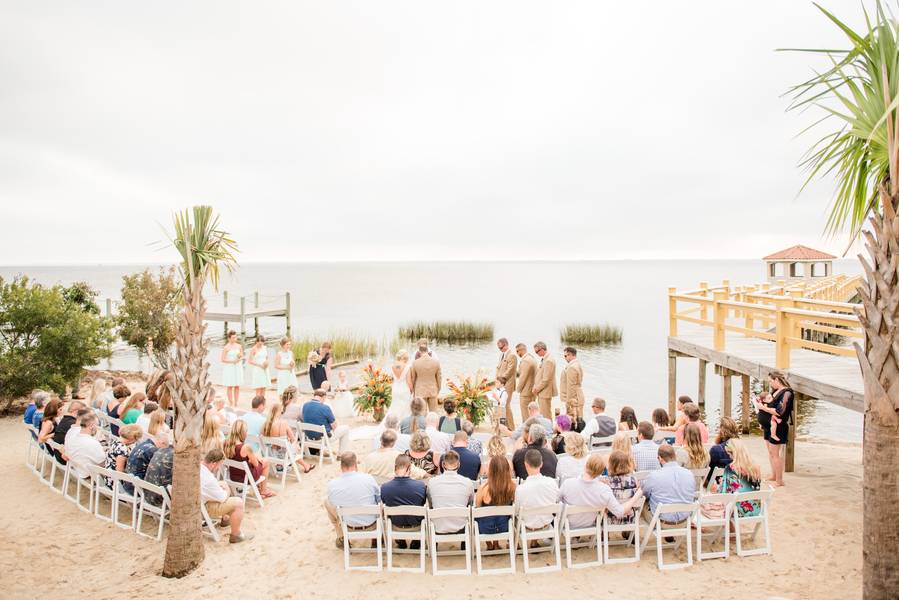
320	372
781	405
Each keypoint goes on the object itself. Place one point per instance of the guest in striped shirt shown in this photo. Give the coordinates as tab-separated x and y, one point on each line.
646	452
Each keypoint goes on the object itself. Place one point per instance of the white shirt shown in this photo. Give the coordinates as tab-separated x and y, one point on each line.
592	426
589	492
537	490
83	449
450	490
440	442
500	397
71	433
210	490
402	441
569	467
143	422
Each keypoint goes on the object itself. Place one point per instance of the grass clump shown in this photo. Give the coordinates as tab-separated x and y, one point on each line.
448	331
344	346
586	333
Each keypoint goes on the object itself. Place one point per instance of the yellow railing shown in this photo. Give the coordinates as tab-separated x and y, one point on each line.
779	314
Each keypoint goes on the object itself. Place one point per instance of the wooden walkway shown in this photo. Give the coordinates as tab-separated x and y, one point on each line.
249	307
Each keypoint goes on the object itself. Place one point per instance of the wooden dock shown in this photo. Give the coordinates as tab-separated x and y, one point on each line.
244	308
749	331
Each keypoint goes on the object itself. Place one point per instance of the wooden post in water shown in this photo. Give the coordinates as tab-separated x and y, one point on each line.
109	307
672	382
287	310
726	393
256	319
744	404
225	304
243	320
700	395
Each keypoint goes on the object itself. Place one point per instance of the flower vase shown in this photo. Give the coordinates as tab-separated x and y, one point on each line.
378	414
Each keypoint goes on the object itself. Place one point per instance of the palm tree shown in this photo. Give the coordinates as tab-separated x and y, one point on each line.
859	92
204	250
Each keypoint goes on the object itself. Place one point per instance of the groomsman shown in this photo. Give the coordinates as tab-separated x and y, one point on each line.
570	391
507	367
545	381
527	369
426	376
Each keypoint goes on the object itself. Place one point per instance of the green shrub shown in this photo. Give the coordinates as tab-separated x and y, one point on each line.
149	309
344	346
585	333
448	331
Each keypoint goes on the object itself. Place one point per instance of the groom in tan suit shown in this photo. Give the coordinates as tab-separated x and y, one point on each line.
426	376
507	367
545	380
570	391
527	369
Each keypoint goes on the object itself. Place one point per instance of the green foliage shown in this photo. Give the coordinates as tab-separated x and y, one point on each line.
448	331
344	346
83	295
148	310
376	392
585	333
46	340
204	248
470	395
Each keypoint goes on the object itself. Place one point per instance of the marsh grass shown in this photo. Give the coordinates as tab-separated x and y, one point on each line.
344	346
585	333
448	331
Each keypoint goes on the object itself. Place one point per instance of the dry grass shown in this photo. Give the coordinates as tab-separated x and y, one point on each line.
585	333
448	331
344	346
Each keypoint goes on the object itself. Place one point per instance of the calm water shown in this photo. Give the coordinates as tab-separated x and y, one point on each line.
525	302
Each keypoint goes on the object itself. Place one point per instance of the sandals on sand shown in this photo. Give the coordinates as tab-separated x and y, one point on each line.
242	537
309	468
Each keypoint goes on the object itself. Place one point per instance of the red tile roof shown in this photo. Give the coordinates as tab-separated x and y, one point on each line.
800	253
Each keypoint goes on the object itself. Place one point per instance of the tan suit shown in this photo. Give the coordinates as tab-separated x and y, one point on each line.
508	365
527	370
570	391
545	384
426	380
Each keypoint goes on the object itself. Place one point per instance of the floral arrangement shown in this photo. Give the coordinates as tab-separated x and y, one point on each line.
470	396
375	395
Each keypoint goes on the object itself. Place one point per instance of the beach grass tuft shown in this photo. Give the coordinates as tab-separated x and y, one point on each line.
448	331
586	333
344	346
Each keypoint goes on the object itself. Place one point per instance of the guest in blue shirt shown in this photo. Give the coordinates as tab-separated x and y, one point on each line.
141	455
316	412
469	462
29	410
35	411
352	488
671	484
255	419
402	490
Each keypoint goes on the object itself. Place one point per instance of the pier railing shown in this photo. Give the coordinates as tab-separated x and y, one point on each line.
792	316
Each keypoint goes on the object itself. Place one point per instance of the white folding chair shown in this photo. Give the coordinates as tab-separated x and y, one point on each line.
160	512
209	526
592	531
112	421
351	534
246	483
463	537
632	531
508	537
601	444
100	479
641	475
410	534
32	450
282	457
72	476
680	531
662	435
55	465
320	441
123	496
763	498
547	532
719	526
632	435
699	475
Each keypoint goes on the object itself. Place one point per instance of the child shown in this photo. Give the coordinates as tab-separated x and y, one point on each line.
499	396
343	400
768	400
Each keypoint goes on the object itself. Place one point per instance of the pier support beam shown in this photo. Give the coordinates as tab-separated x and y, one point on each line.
700	395
726	390
243	319
225	304
287	310
744	404
672	383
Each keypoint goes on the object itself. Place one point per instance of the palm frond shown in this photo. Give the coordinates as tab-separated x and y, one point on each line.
204	247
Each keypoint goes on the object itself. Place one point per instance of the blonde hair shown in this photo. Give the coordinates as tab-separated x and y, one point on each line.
696	452
130	433
575	446
420	442
274	413
495	446
742	462
210	438
595	465
97	388
402	356
237	436
157	420
622	443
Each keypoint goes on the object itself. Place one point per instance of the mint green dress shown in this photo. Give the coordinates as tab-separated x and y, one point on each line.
286	377
232	373
259	377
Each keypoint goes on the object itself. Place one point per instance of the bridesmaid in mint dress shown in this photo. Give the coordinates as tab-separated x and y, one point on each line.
232	368
258	361
285	366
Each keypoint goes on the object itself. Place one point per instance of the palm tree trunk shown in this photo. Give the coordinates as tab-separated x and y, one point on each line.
184	549
880	367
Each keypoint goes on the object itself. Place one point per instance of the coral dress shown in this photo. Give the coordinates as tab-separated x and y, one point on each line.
232	373
259	377
286	377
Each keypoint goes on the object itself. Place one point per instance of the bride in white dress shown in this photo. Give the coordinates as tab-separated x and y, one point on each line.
401	394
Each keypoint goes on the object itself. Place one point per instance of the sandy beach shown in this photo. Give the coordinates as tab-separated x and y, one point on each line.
48	545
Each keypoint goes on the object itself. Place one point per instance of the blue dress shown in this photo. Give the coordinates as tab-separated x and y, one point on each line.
232	373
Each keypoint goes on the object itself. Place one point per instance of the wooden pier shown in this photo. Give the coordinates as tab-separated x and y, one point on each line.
748	331
243	308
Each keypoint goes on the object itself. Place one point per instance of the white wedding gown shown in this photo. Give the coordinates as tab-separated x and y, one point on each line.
401	397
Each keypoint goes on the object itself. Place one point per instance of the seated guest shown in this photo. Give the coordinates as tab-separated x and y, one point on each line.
495	447
290	409
117	451
352	488
415	421
276	427
66	423
40	401
159	472
98	387
450	490
646	451
590	490
469	462
450	423
692	413
536	490
571	464
536	440
534	416
48	421
141	455
217	498
236	448
157	422
622	482
143	421
316	412
109	394
692	455
255	419
601	425
83	448
742	474
211	438
681	418
76	426
440	442
627	420
119	394
392	423
660	419
28	417
381	464
498	491
718	455
670	484
561	425
474	444
421	455
402	490
131	409
622	443
215	408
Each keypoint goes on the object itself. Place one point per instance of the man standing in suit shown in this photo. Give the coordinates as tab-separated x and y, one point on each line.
527	369
426	376
507	367
570	391
545	387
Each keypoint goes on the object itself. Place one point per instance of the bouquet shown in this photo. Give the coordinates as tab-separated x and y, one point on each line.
470	396
376	391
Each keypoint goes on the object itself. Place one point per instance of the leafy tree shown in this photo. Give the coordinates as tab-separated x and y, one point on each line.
82	294
46	340
148	310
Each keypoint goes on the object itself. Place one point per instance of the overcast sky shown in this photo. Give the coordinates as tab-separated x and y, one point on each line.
408	130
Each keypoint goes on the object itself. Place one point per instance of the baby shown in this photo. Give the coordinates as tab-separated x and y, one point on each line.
768	400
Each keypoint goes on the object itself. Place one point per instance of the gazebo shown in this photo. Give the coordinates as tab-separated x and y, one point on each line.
798	262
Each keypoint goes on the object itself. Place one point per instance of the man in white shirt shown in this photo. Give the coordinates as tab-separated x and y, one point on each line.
82	448
392	422
381	464
646	451
450	490
536	490
255	419
352	488
440	442
601	425
75	429
220	504
588	490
